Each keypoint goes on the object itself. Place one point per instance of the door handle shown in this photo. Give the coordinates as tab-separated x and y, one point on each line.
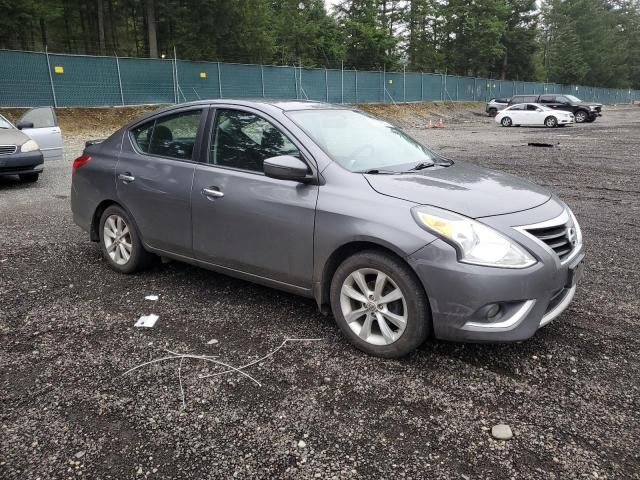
212	192
126	177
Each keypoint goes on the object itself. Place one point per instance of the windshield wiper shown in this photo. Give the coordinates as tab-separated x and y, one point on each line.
381	171
422	166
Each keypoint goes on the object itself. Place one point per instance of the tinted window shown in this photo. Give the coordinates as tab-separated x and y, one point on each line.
562	99
243	140
169	136
532	108
42	117
142	135
547	99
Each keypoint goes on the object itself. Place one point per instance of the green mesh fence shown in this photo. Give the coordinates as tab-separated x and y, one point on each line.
32	78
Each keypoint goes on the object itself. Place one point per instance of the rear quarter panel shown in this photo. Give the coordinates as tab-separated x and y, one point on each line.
94	182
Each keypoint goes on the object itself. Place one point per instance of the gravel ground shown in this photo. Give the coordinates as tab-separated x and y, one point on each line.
323	410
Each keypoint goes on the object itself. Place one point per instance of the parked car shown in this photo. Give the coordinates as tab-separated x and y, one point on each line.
582	111
19	154
533	114
495	105
327	202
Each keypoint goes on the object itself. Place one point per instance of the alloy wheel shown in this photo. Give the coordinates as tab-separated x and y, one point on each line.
373	306
580	117
506	122
117	239
551	122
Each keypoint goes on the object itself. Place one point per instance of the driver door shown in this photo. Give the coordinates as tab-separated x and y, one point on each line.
45	131
243	220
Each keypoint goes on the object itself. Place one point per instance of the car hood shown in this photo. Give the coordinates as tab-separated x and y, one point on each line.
462	188
12	136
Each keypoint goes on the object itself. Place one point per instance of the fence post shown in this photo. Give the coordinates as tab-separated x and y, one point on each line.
443	86
119	78
262	78
175	77
326	82
342	82
422	86
475	88
384	83
53	90
404	83
219	82
356	72
295	82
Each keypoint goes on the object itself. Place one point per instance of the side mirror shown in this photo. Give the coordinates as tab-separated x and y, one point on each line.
22	125
286	167
539	110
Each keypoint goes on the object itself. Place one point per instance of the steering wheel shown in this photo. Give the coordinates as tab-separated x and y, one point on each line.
358	152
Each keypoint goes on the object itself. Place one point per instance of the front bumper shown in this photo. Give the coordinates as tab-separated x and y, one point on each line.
460	294
21	163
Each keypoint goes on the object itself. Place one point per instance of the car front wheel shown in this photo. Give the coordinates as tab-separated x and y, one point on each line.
581	116
551	122
380	305
29	177
120	242
506	122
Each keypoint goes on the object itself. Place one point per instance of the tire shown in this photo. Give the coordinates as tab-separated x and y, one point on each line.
551	122
29	177
493	112
138	258
581	116
396	327
506	122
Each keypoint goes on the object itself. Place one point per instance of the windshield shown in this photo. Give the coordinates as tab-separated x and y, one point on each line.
573	99
361	142
4	123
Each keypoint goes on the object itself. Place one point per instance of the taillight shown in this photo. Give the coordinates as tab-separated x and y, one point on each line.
78	162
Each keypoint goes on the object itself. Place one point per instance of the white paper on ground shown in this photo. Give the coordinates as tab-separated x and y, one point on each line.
147	321
151	297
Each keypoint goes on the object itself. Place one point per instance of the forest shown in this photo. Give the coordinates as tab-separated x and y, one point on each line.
590	42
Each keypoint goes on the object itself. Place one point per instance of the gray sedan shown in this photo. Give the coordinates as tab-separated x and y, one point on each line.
397	241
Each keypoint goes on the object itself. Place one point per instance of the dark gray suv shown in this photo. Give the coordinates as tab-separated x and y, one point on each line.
328	202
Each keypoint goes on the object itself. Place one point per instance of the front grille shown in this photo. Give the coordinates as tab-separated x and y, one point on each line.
560	238
8	149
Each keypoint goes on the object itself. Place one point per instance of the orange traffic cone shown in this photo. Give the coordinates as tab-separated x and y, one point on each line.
440	124
430	124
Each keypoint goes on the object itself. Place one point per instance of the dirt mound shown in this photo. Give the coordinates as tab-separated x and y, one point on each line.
417	115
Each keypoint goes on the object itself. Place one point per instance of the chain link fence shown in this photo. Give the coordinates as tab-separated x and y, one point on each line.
36	78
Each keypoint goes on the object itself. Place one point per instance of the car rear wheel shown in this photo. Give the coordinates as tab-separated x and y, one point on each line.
120	242
581	116
506	122
380	305
493	112
29	177
551	122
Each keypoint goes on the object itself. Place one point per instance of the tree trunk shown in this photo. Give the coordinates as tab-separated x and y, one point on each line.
43	32
151	28
101	27
505	65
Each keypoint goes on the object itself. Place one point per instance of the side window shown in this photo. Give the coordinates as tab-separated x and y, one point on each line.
530	99
532	108
243	140
175	135
562	99
547	99
169	136
517	107
142	135
41	117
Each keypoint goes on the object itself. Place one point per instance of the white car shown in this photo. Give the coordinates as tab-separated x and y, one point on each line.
533	114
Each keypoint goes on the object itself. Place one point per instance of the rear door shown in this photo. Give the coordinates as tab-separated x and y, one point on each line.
154	177
516	113
45	131
533	115
242	219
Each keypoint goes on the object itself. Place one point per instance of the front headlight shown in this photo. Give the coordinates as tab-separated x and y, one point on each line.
475	242
29	146
591	107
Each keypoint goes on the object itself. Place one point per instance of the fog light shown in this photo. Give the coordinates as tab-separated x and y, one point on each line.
492	311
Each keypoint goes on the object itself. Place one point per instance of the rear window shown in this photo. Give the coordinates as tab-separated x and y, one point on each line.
524	99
